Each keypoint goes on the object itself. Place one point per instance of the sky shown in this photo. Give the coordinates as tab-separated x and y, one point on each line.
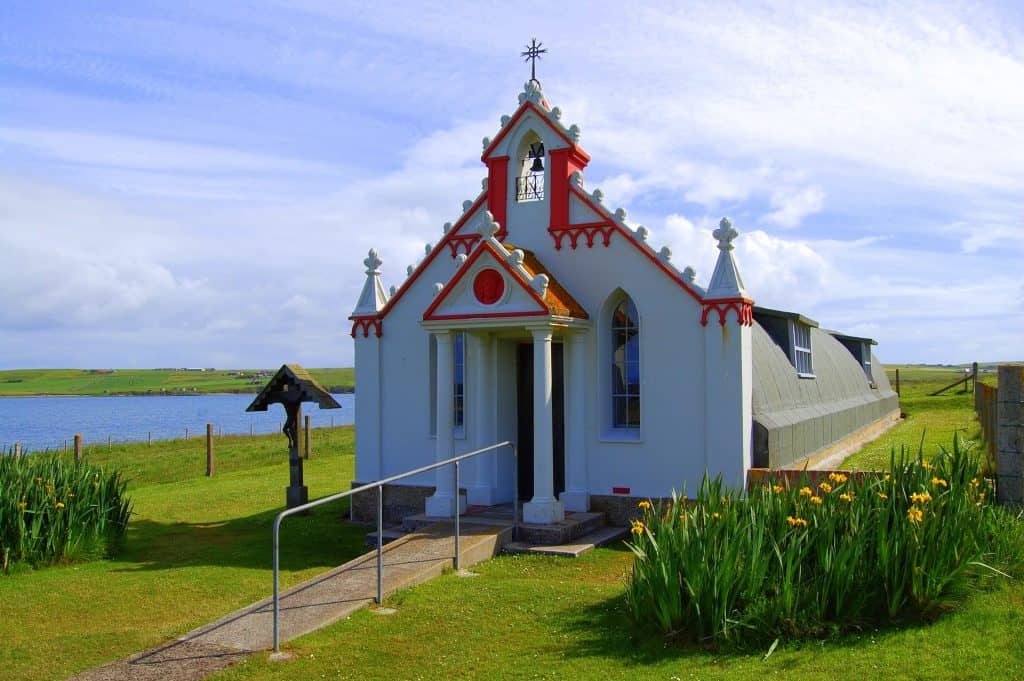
197	184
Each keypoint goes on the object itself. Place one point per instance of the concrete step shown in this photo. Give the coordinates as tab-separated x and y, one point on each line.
390	534
574	525
574	549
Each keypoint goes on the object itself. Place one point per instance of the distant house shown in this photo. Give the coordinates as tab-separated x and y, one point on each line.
542	317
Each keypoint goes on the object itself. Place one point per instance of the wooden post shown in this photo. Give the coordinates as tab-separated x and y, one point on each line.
305	453
17	450
149	438
108	442
186	432
974	383
1010	436
78	447
898	382
209	450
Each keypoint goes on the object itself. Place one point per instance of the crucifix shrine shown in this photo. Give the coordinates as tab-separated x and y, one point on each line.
291	386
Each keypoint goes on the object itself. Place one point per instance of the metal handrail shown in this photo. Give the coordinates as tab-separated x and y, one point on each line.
379	485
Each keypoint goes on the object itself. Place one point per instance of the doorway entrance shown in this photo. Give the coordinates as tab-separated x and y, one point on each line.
524	420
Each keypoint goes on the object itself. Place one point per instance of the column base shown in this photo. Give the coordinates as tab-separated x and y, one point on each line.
544	512
572	500
481	496
443	506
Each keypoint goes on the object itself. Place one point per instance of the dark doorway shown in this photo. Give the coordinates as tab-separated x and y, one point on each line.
524	407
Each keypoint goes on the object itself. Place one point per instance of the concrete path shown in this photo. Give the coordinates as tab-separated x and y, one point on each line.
410	560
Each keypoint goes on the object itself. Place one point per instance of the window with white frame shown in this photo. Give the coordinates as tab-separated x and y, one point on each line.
625	366
801	343
458	384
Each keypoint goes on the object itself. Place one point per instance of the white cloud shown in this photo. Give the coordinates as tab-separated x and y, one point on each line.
792	207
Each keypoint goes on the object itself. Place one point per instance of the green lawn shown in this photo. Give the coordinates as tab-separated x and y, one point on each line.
197	548
938	419
152	381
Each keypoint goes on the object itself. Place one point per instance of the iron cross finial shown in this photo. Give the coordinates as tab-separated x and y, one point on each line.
532	54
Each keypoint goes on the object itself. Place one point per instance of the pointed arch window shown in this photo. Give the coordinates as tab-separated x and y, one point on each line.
530	180
625	366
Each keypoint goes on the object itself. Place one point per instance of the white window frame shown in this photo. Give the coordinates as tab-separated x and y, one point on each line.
803	360
610	432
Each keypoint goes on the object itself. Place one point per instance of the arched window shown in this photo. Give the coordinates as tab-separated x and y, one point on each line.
458	384
530	178
625	365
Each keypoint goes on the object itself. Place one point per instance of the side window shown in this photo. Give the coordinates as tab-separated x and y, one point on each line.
625	366
802	349
458	387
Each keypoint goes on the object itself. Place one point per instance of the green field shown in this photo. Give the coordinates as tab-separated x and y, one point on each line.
21	382
198	548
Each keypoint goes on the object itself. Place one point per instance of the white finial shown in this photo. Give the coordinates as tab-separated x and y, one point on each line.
531	91
574	133
505	119
598	195
642	233
459	259
725	234
438	287
483	184
466	205
486	142
540	284
576	178
393	290
516	257
409	270
557	113
488	226
620	214
689	275
665	254
427	248
373	262
447	227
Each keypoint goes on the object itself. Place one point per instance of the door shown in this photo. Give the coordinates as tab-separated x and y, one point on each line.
524	421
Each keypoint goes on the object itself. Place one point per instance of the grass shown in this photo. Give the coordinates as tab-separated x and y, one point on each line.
25	382
934	421
197	548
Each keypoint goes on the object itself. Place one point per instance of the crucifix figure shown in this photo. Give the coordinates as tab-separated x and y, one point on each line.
532	54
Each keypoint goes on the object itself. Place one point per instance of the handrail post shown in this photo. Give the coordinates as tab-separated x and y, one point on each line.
458	565
277	582
380	544
515	492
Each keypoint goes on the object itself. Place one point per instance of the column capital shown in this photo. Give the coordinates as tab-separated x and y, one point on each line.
541	335
443	336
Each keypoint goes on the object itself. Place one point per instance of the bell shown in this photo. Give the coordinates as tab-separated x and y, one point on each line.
538	165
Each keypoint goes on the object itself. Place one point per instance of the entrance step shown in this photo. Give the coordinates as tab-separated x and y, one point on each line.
390	534
574	526
575	549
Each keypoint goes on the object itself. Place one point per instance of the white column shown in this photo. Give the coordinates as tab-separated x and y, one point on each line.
728	399
481	410
543	508
575	496
442	503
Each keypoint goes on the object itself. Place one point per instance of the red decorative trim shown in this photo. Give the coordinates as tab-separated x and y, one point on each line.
463	242
500	259
590	230
620	490
523	108
489	315
445	240
743	307
364	323
564	162
488	286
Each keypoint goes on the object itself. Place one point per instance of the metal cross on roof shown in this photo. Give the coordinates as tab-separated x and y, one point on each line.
532	54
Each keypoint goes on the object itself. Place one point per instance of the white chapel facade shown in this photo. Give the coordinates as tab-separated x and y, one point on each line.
542	317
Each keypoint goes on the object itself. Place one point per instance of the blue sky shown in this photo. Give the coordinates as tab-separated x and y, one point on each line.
198	183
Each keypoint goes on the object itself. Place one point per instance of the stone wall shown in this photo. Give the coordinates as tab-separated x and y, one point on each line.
399	501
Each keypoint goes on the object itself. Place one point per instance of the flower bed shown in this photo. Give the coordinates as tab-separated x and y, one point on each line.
52	509
808	558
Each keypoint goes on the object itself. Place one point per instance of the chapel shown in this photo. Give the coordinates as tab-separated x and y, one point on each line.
541	316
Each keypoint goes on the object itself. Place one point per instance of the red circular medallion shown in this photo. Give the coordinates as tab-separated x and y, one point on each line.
488	286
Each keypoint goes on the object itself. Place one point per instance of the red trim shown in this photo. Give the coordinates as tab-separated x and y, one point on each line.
515	119
500	259
365	323
464	242
620	490
590	229
630	237
743	307
490	315
445	240
497	191
564	162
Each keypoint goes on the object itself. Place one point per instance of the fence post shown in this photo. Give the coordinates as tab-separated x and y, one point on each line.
1010	436
305	453
78	447
209	450
898	382
17	450
974	383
